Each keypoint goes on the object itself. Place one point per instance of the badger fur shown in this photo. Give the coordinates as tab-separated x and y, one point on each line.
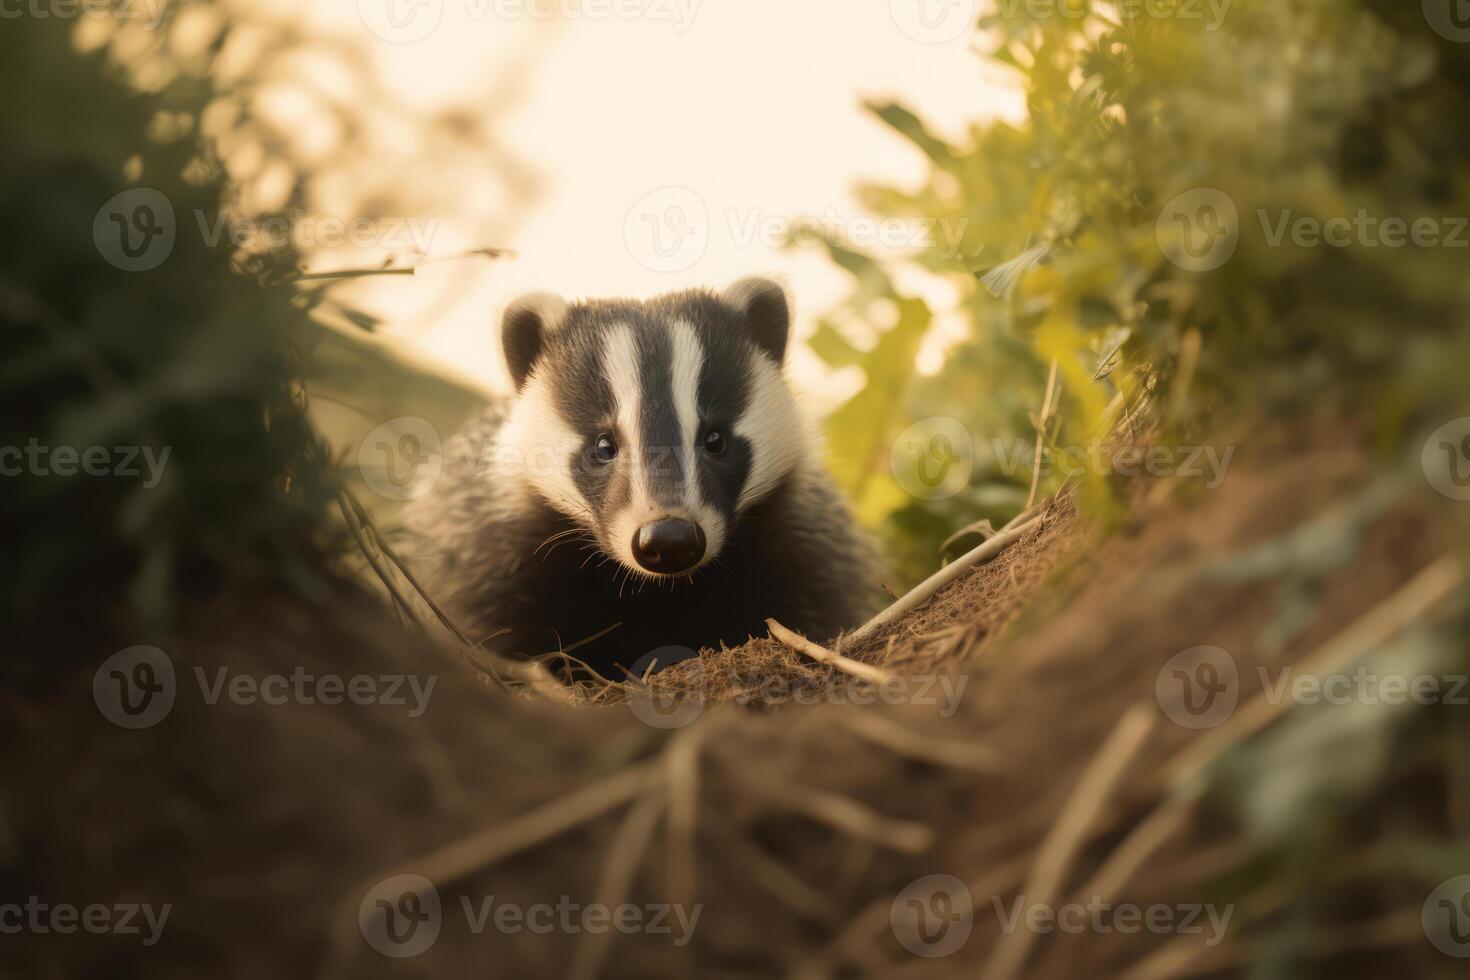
652	484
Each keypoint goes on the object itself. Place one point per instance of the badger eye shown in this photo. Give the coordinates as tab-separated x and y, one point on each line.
605	448
714	442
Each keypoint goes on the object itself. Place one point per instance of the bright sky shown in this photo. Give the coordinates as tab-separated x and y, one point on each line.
673	140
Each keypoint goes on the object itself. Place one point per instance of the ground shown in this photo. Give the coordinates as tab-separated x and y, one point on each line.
1041	760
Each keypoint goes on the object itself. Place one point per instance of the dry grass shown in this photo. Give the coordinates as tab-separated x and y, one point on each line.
1024	753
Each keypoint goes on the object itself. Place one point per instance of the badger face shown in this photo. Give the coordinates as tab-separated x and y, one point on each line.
653	425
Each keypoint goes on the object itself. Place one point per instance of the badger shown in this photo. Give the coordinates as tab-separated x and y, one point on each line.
651	489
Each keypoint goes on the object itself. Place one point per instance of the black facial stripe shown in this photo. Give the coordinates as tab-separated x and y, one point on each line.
583	394
724	377
722	477
583	397
603	485
724	394
660	437
619	490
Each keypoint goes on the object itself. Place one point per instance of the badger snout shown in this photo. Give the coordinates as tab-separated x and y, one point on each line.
669	546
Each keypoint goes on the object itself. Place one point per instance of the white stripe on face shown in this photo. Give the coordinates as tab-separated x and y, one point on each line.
623	359
620	354
533	448
688	360
775	429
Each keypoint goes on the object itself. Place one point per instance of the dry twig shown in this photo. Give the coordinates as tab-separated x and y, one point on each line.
624	856
821	654
926	590
843	813
852	942
1042	421
1378	625
896	738
768	872
681	775
1071	831
471	854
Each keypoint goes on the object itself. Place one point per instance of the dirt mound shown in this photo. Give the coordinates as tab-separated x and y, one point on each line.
766	672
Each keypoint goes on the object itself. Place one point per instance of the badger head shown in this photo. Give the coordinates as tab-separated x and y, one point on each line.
653	425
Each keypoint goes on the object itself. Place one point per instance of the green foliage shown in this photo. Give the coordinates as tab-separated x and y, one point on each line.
210	355
187	359
1291	108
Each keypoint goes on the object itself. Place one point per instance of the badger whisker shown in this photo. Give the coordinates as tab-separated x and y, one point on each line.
558	536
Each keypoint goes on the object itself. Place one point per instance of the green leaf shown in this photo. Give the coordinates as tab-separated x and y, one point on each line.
834	349
913	128
862	430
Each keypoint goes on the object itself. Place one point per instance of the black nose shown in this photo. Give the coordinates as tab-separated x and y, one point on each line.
669	546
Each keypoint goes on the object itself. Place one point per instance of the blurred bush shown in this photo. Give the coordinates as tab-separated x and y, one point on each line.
1157	135
188	357
205	358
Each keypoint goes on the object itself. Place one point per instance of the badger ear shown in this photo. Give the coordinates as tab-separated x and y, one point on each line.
528	321
765	312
